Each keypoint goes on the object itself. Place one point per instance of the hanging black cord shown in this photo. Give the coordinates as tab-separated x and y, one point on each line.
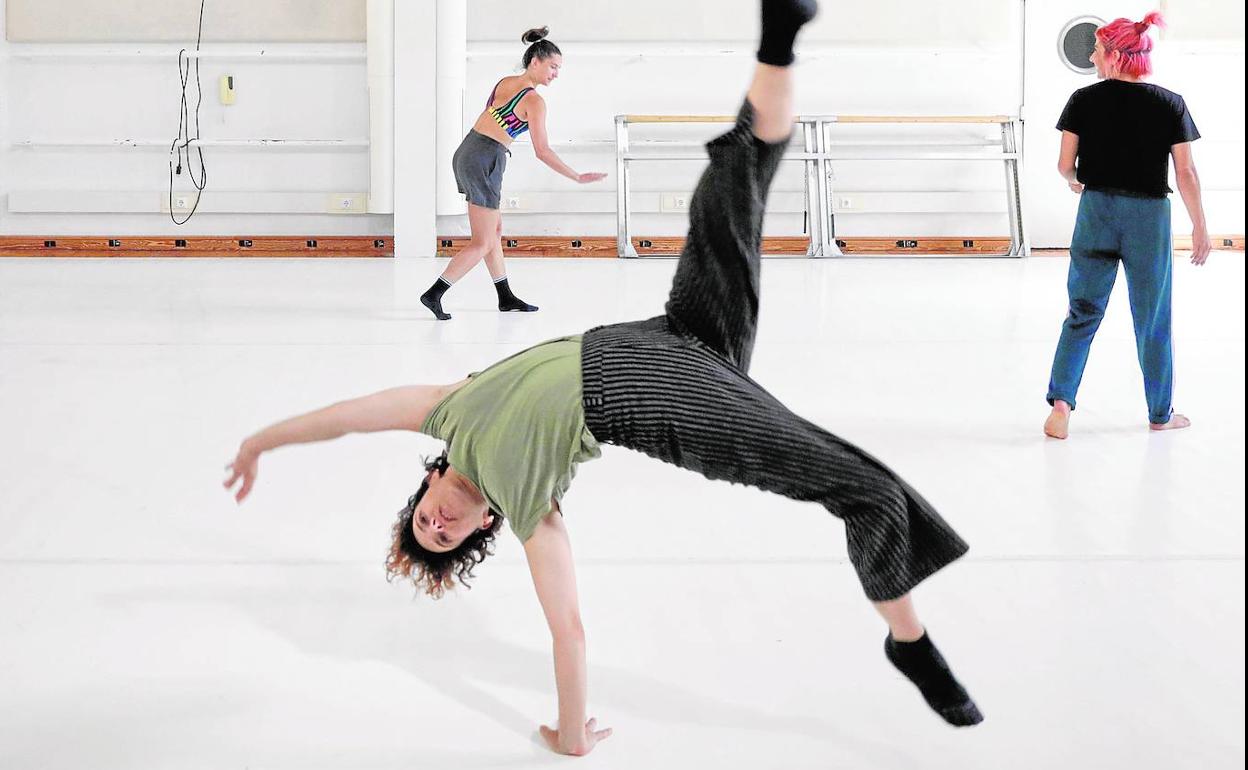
181	149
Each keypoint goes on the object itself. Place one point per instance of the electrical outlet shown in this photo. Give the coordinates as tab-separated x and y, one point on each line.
183	203
347	203
845	203
674	202
513	203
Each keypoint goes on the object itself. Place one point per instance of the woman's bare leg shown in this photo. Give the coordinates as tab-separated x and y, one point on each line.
903	621
771	94
485	224
497	265
495	262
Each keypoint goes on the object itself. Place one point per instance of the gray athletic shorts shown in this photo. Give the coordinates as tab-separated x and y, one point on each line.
479	164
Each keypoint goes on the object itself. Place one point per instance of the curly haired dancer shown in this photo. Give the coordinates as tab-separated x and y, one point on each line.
674	387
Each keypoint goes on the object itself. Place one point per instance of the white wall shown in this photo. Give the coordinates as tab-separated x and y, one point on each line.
888	56
1204	21
659	57
899	23
884	56
1202	60
60	21
53	92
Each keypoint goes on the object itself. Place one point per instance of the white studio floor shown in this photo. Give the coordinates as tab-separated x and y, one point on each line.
148	622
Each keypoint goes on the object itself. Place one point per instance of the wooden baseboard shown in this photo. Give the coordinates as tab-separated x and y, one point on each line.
969	246
202	247
537	246
1181	243
1220	242
605	246
919	246
516	246
659	246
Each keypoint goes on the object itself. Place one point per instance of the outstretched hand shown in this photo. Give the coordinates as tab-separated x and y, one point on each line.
590	178
575	745
245	466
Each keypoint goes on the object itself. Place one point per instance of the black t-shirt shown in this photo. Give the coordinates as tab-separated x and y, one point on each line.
1125	133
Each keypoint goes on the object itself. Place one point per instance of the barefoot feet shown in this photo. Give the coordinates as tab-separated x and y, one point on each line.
1177	422
1058	424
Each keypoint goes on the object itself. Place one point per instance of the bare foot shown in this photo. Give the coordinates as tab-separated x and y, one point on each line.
1058	424
1177	422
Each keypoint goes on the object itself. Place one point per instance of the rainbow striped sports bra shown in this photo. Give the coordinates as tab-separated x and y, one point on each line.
506	114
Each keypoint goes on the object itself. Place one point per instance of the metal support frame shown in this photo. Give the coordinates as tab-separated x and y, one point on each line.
623	213
829	247
817	156
1019	245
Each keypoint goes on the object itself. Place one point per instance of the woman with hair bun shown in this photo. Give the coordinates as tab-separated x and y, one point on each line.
1118	137
513	108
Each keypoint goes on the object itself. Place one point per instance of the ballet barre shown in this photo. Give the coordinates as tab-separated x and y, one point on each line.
818	150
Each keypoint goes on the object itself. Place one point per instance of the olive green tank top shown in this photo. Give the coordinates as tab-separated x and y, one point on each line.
517	431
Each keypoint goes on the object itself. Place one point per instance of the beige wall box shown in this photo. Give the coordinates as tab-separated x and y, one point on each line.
228	95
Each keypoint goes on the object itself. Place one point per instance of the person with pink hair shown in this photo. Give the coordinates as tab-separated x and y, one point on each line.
1118	136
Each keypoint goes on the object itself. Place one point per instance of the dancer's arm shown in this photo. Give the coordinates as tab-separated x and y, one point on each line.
1189	189
396	409
541	143
1066	161
550	562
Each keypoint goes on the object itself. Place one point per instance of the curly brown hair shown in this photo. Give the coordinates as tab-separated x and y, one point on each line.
430	571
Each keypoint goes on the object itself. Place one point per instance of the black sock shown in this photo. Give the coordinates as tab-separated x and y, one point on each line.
432	299
508	301
923	665
781	21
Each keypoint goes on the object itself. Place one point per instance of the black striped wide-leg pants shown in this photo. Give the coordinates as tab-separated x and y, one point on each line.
675	387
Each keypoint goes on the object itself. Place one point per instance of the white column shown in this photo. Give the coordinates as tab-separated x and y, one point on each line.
452	77
415	69
381	106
